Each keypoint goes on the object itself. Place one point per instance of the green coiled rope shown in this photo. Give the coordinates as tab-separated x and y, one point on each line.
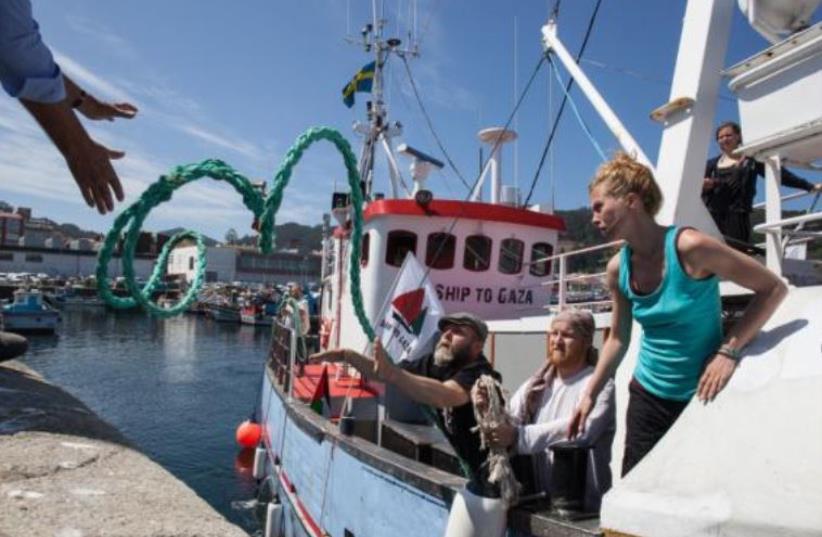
264	211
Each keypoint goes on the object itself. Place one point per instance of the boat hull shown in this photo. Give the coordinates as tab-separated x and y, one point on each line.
331	484
31	322
337	485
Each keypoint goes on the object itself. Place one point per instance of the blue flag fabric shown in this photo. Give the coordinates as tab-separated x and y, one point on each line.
361	82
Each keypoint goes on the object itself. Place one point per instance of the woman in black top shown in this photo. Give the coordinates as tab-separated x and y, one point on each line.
730	184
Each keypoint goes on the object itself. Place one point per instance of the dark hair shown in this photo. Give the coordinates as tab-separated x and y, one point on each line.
732	124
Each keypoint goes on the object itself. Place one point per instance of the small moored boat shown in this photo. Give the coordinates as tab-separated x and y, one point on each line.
28	313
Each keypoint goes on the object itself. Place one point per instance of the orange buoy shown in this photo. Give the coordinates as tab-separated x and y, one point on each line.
248	434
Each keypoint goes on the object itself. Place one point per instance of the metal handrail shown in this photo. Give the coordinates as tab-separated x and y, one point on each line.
776	227
789	197
563	279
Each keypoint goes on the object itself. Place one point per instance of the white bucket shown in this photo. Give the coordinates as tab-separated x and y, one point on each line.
476	516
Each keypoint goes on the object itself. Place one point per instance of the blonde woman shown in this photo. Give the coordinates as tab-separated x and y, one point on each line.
667	279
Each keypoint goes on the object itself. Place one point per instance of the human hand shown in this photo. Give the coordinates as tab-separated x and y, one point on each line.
479	396
715	377
708	183
577	425
90	164
384	368
817	187
503	435
94	109
332	355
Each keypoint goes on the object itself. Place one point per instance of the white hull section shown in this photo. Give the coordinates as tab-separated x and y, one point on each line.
745	464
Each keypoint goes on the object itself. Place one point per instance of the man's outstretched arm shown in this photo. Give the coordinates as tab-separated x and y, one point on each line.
421	389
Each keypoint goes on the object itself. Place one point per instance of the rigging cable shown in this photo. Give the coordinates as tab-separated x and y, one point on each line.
581	121
493	149
430	124
562	104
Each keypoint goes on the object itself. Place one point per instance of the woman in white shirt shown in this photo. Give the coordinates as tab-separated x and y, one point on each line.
543	406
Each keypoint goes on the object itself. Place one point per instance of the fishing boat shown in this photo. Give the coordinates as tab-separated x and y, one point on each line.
255	315
223	313
367	470
28	313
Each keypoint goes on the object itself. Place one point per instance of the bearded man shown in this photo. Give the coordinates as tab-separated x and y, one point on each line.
442	380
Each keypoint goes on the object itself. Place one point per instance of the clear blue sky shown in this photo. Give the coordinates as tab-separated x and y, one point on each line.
241	80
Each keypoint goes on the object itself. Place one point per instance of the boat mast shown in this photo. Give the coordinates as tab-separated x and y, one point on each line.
378	132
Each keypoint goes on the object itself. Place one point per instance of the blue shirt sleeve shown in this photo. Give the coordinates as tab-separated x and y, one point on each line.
27	68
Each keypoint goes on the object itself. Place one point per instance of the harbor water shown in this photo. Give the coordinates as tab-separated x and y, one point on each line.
177	388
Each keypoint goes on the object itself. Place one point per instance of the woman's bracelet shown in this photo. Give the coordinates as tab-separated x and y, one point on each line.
730	352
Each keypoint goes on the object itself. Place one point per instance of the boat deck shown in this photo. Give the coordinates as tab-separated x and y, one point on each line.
307	384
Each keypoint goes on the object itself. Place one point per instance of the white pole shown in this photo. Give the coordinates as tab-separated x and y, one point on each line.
552	42
773	213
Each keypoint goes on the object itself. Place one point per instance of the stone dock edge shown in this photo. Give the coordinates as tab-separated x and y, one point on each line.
64	472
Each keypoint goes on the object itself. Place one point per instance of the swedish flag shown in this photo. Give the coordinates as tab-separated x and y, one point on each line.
361	82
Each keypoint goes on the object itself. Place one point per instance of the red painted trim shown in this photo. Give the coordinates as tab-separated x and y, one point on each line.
464	209
313	527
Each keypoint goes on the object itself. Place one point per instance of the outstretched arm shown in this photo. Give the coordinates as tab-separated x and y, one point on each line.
790	179
421	389
613	350
702	255
89	162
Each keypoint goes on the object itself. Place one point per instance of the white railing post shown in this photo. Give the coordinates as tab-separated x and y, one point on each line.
773	213
562	273
292	358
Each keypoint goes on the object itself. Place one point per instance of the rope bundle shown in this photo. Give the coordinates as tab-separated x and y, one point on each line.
492	416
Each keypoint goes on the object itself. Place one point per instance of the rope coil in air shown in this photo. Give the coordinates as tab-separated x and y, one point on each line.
264	211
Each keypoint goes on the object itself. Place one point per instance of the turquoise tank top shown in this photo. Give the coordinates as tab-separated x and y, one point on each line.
681	325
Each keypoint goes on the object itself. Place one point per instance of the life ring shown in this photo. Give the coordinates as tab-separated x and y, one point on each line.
326	327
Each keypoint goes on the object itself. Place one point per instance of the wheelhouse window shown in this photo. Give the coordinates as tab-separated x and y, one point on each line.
510	256
540	266
365	249
477	256
400	242
439	250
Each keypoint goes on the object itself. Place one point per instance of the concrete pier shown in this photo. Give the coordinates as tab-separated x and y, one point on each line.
66	473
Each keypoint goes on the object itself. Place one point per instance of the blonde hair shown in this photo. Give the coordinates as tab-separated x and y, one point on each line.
623	175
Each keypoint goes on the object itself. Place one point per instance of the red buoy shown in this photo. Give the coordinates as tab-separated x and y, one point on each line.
248	434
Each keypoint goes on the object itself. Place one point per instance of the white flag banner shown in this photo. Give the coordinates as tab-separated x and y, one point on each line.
409	323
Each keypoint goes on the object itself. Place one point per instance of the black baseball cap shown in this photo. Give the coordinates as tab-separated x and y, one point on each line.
465	319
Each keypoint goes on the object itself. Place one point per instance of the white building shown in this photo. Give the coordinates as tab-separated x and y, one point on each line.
65	262
230	263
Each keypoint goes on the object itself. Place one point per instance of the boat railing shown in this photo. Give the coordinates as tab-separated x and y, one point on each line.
282	354
782	233
562	278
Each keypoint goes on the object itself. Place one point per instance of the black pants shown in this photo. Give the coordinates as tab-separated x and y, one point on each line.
734	224
649	418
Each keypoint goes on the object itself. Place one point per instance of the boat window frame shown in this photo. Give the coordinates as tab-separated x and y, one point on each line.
391	247
534	269
469	250
365	249
447	255
504	256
